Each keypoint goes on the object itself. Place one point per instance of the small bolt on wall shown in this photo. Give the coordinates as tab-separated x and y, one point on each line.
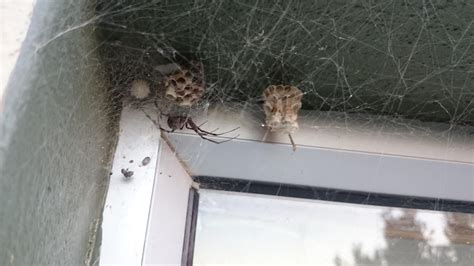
281	106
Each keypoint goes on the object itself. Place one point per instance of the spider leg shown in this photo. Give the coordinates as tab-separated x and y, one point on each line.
200	131
156	123
202	124
215	141
217	134
191	125
151	119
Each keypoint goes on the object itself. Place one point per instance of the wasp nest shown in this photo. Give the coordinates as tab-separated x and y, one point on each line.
185	86
282	103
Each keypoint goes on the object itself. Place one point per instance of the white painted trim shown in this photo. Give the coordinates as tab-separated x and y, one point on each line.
351	132
167	221
144	218
327	168
339	152
127	206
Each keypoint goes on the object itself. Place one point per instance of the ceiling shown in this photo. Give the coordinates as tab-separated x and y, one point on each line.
411	59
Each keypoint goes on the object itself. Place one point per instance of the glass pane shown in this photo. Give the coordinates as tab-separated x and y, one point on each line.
239	228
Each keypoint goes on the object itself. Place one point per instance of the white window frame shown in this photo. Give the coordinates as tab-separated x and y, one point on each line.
145	217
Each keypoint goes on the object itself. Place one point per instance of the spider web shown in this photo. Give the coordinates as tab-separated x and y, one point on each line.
399	64
409	59
380	67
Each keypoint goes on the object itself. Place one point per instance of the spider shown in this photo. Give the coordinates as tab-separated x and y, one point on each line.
179	122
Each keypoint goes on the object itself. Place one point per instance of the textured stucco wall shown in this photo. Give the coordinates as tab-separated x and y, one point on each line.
56	137
404	58
410	58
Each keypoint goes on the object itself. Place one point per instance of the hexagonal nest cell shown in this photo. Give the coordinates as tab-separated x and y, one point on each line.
185	86
281	106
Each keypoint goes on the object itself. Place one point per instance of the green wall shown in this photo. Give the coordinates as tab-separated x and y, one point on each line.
411	59
56	139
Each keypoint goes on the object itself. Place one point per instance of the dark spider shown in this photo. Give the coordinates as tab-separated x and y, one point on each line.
179	122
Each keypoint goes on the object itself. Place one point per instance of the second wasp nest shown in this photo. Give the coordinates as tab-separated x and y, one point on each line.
281	106
185	86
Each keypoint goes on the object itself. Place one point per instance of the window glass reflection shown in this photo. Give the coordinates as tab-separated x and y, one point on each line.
239	228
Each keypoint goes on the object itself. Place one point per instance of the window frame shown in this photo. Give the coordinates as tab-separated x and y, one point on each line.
236	166
327	168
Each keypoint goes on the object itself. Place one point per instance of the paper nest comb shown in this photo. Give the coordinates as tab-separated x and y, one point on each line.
281	106
185	86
